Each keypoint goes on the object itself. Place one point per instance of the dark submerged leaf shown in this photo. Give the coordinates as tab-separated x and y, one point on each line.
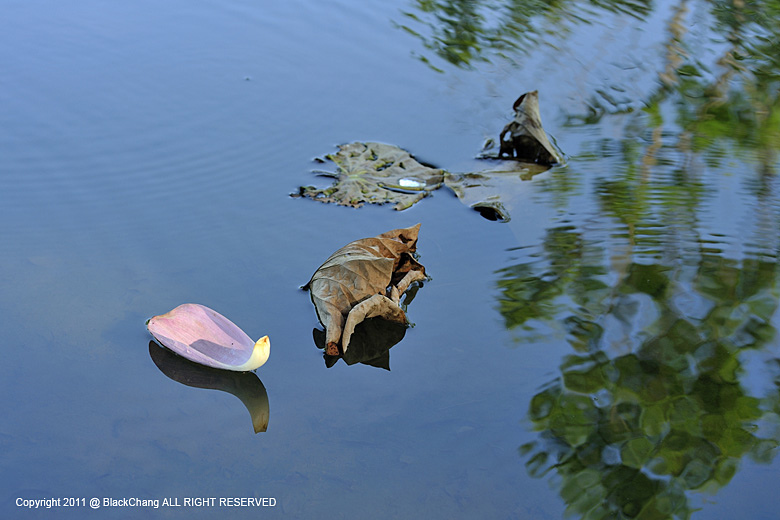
524	137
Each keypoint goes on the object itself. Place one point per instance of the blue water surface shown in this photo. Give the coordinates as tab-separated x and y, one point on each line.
147	156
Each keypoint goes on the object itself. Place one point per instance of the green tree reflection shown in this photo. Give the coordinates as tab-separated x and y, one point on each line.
724	108
630	433
661	298
735	97
654	402
465	32
657	401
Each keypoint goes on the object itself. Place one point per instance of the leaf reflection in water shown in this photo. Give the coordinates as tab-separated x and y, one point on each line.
370	345
244	385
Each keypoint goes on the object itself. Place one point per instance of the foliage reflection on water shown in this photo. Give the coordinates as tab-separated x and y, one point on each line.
652	404
733	95
662	297
465	32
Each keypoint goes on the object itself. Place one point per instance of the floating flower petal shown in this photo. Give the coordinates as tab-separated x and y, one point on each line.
205	336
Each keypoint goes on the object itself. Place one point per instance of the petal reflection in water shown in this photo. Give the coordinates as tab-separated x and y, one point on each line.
244	385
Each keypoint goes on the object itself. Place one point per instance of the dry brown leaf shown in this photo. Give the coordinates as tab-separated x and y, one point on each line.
367	276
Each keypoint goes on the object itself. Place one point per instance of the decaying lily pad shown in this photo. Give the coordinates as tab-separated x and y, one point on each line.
375	173
364	279
490	192
381	173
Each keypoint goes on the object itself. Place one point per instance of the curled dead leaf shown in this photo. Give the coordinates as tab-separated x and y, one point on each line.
363	280
524	138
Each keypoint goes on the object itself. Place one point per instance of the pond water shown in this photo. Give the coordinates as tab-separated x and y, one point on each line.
608	352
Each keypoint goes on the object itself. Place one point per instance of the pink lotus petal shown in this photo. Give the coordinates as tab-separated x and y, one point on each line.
205	336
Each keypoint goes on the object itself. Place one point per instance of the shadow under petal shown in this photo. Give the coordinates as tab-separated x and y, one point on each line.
244	385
